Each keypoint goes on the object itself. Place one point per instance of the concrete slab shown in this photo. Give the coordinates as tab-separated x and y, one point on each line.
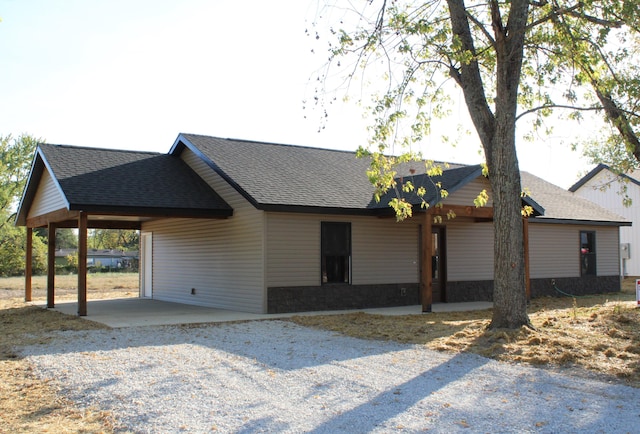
136	312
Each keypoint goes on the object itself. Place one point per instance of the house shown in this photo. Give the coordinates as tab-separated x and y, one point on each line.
269	228
103	259
608	189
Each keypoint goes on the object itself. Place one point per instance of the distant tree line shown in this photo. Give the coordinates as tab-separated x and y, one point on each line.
16	156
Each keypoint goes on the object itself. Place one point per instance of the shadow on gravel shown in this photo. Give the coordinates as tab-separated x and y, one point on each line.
394	402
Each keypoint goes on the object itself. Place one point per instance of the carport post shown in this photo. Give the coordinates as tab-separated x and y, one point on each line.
51	265
82	264
28	266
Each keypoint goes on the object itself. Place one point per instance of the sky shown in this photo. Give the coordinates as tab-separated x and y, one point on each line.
133	74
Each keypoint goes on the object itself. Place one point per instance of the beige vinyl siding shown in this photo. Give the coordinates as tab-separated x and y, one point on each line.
383	251
293	249
607	251
467	194
47	197
554	250
469	250
222	259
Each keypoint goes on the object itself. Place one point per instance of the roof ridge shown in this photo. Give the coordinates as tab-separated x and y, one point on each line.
260	142
313	148
94	148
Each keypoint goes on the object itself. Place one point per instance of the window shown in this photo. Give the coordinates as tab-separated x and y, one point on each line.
587	253
336	252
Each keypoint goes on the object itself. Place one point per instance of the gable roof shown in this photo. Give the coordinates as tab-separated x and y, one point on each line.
122	182
276	177
451	180
599	168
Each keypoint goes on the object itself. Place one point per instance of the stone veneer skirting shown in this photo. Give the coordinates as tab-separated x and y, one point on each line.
341	296
483	290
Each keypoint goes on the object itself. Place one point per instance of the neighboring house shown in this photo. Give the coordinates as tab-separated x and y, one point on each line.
269	228
101	258
607	189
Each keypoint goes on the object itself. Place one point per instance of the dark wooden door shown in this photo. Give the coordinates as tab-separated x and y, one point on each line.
438	265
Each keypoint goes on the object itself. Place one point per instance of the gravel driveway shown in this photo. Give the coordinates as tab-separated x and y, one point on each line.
275	376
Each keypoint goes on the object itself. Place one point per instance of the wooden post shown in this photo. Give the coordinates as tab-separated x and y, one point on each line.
28	266
82	264
525	238
426	279
51	265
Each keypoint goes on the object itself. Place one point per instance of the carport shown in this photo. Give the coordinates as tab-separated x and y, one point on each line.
88	188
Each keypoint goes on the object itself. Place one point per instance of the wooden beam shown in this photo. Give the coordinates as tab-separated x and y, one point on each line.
51	265
114	224
426	278
57	216
527	274
28	266
82	264
463	211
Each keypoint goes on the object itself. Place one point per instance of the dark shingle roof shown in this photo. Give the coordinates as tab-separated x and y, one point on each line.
451	180
109	180
277	177
273	176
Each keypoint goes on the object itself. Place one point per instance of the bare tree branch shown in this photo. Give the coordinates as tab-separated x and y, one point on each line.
561	106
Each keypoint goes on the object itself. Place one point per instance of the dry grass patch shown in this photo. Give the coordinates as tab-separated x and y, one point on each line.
99	285
29	404
597	334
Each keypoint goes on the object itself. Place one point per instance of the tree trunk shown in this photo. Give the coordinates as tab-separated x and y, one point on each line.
509	286
497	134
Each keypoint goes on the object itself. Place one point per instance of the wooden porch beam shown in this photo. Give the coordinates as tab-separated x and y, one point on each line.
82	264
28	266
426	278
462	211
58	216
51	265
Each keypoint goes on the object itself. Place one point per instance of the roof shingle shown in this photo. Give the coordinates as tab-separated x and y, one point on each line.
101	179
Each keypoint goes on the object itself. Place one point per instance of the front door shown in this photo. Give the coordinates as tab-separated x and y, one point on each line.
438	268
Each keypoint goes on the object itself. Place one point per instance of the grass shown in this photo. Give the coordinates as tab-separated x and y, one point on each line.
99	285
597	335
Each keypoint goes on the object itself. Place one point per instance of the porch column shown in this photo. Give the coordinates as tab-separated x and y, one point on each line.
82	264
426	278
51	265
28	266
527	275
